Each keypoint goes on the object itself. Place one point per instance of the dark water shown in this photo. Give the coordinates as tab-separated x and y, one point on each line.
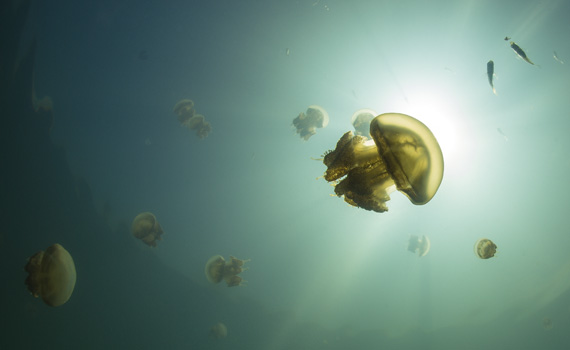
322	275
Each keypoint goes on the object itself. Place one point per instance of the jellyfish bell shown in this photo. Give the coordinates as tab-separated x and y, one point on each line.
219	331
360	120
215	269
420	245
485	248
52	275
308	122
403	154
146	228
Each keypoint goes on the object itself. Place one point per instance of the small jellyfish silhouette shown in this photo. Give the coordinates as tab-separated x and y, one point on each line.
307	123
219	331
51	275
147	229
485	248
403	155
360	120
188	118
547	323
419	245
217	270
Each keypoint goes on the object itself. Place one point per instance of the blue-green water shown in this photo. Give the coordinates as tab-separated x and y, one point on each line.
323	274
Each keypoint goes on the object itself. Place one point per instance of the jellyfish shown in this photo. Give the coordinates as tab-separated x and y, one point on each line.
403	154
360	120
184	109
51	275
420	245
219	331
485	248
217	269
147	229
547	323
188	118
308	122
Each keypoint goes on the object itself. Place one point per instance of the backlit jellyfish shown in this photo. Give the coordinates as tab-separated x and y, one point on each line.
219	331
147	229
420	245
51	275
217	269
308	122
188	117
485	248
360	120
403	154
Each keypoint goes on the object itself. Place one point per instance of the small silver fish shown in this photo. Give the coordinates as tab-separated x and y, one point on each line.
520	52
490	74
555	55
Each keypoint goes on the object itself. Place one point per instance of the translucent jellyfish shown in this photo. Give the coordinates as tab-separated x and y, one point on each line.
188	117
308	122
217	270
51	275
219	331
415	244
485	248
403	154
360	120
147	229
547	323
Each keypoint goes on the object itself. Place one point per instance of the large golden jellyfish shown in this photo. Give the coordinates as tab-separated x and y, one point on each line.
308	122
360	120
403	155
188	117
420	245
51	275
217	269
147	229
485	248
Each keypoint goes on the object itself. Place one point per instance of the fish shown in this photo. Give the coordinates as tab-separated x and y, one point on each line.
520	52
287	51
555	55
491	73
507	38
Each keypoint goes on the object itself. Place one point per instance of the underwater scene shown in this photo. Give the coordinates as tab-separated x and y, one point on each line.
312	174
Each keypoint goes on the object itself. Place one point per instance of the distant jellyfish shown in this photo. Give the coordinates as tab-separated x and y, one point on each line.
420	245
547	323
217	269
146	228
360	120
219	331
184	109
308	122
51	275
403	155
188	117
485	248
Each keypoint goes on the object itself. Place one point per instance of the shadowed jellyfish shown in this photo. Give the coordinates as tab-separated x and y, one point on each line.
188	117
547	323
360	120
217	270
420	245
485	248
147	229
307	124
51	275
403	155
219	331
